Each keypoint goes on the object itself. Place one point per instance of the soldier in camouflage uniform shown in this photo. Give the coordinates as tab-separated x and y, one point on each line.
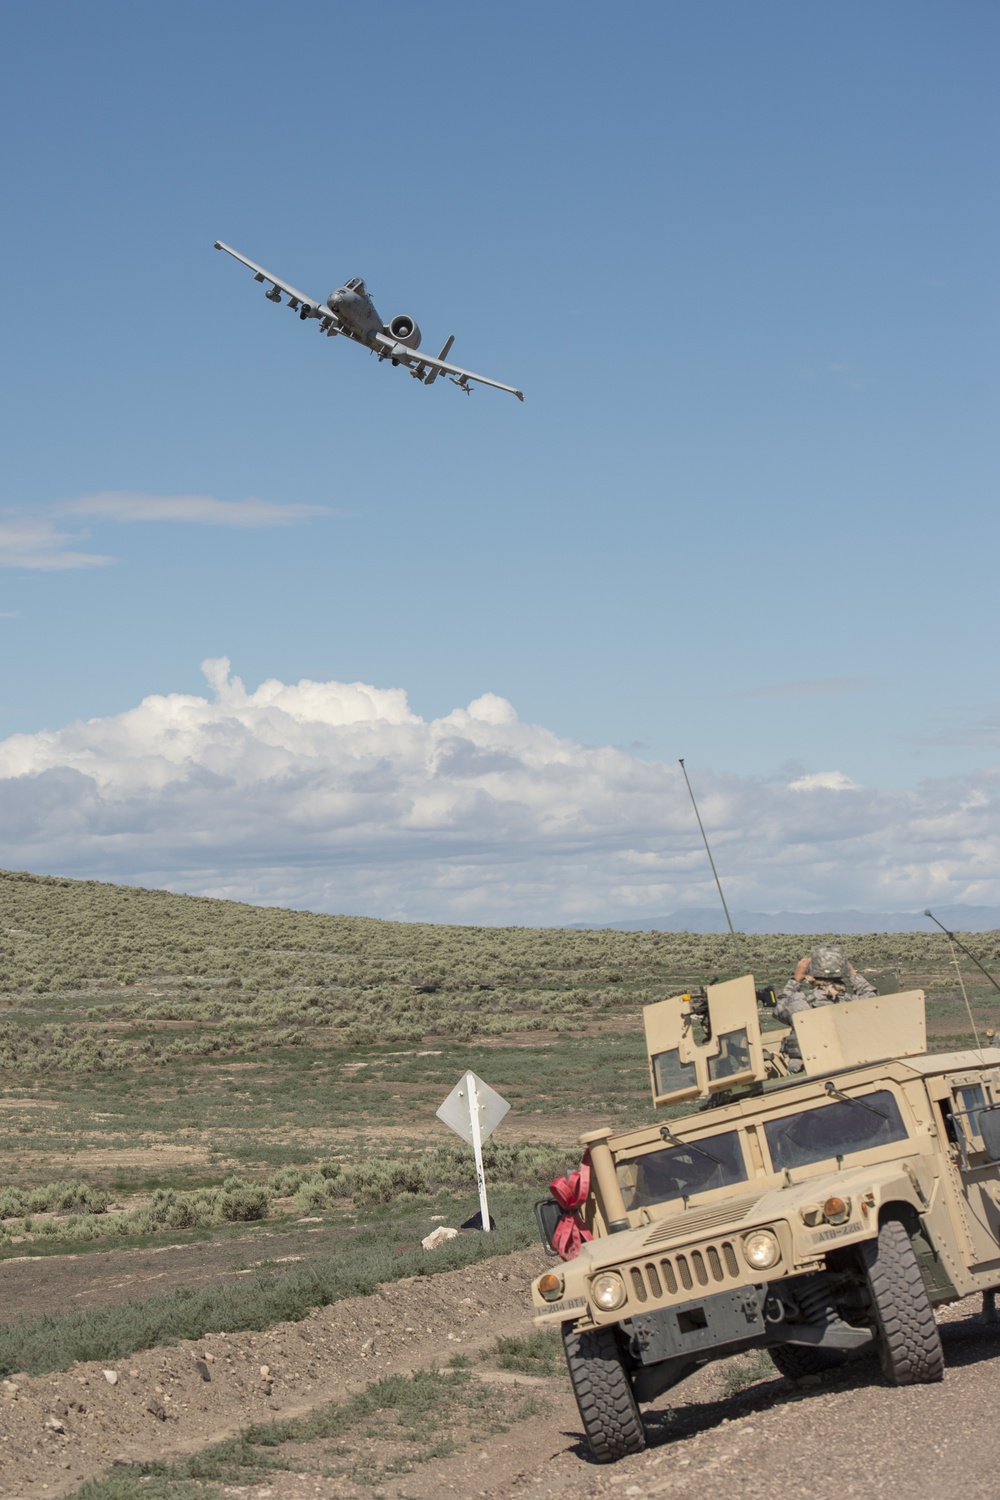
823	977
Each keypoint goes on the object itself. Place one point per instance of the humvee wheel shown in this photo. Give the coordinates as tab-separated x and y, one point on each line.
906	1335
795	1360
603	1393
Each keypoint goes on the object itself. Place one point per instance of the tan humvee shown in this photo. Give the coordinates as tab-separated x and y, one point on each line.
807	1214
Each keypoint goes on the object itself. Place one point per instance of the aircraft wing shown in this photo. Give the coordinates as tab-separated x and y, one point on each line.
315	309
426	368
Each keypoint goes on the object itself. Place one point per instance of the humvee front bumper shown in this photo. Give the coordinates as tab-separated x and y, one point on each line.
667	1343
739	1318
691	1328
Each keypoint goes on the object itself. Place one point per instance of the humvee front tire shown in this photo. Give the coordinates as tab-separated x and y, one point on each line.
906	1335
796	1360
603	1393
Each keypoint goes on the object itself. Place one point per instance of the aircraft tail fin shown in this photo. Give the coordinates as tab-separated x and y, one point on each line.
430	378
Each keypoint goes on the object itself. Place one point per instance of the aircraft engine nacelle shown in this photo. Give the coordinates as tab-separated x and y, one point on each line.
405	331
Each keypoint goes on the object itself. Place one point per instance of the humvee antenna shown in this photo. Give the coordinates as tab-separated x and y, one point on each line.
964	949
718	882
952	941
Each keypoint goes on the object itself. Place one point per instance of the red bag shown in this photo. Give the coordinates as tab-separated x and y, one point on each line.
571	1194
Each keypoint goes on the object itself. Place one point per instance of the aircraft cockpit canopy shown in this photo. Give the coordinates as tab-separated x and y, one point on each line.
356	285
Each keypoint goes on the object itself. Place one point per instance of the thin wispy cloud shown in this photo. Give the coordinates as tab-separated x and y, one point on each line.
815	687
963	729
37	542
198	510
27	542
338	797
836	373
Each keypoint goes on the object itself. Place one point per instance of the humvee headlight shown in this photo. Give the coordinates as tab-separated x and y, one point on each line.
550	1286
761	1250
608	1291
837	1210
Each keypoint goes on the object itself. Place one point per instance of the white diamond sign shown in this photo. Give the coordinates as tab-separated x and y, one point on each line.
473	1110
456	1111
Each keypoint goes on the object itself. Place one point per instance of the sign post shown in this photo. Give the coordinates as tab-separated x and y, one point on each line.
474	1110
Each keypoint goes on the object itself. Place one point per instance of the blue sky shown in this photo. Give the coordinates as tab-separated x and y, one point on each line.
742	261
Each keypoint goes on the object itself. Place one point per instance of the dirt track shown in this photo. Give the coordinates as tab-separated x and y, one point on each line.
848	1435
98	1278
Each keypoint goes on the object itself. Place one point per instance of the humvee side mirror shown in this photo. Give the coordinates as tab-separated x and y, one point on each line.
989	1127
547	1216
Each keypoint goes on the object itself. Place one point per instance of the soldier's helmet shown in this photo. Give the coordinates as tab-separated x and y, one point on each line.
826	962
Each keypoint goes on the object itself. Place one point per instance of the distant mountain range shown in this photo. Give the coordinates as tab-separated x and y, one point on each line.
711	919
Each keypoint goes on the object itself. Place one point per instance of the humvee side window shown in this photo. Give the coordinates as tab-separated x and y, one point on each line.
833	1130
968	1102
681	1171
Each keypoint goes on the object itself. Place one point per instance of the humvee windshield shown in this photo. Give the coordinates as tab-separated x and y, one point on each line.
833	1130
682	1171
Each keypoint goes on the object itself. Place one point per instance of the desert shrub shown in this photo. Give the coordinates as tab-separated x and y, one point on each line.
81	1208
287	1181
191	1213
242	1201
54	1197
522	1164
538	1353
318	1192
46	1228
140	1222
380	1180
11	1203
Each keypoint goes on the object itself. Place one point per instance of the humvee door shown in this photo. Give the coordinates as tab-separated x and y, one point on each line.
960	1097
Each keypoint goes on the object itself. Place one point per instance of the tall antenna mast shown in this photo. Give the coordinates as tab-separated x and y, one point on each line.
961	945
957	942
718	882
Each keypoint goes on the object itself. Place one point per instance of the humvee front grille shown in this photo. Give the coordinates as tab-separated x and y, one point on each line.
712	1266
734	1211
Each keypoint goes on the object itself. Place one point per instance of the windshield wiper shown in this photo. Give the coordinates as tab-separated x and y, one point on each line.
836	1093
675	1140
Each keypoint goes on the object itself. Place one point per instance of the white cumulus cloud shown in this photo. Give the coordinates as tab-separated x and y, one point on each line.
830	781
337	796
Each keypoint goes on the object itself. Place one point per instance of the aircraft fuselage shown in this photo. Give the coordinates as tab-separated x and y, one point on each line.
356	311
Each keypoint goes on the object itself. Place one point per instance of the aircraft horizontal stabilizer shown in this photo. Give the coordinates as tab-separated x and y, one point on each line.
430	379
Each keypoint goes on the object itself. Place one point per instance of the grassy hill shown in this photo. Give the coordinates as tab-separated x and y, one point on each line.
100	977
272	1028
187	1069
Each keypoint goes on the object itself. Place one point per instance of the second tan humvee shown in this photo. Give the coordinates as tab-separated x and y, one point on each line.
808	1215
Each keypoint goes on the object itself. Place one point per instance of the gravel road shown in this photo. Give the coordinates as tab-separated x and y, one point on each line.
829	1439
841	1436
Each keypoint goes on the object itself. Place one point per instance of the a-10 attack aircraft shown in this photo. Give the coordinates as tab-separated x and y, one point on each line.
350	311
